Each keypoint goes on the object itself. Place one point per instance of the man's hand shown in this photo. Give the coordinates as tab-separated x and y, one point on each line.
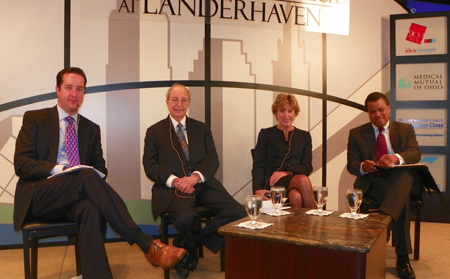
387	161
369	166
186	184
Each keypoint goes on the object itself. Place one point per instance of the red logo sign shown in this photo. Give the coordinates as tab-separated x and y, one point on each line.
415	33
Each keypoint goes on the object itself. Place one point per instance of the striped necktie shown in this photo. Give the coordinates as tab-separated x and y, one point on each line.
182	140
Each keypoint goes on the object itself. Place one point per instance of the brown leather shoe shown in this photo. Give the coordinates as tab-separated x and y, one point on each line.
164	255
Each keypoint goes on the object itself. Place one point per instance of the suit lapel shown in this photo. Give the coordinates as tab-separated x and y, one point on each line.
192	132
369	136
393	136
52	128
83	140
190	129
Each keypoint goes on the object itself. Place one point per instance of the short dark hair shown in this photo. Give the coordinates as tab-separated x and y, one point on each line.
70	70
375	96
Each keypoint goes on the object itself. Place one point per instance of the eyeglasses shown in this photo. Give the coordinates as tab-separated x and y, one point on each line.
176	100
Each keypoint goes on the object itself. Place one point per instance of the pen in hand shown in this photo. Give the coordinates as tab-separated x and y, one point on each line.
369	166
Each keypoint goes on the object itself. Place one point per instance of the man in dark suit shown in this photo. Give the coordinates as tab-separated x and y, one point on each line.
79	196
391	188
181	159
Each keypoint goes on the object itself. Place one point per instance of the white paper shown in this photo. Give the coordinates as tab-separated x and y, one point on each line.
417	165
77	168
282	213
316	212
259	225
349	215
268	206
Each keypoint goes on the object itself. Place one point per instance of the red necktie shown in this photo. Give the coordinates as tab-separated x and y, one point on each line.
381	144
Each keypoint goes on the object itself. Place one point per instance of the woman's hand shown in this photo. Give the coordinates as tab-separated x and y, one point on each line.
261	193
277	176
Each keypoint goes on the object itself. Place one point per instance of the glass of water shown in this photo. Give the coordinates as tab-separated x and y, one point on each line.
354	198
277	194
320	195
253	206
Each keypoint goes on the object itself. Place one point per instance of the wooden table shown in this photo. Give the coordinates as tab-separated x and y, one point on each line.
307	246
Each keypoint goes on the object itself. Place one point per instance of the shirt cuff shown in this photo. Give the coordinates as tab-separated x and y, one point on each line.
170	179
400	159
202	178
57	169
361	172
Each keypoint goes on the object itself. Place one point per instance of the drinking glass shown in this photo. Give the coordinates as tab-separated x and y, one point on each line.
354	199
277	194
320	195
253	206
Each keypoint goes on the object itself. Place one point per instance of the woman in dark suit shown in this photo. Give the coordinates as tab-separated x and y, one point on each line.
283	156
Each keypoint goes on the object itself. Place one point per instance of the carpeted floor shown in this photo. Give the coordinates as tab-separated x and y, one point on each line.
127	262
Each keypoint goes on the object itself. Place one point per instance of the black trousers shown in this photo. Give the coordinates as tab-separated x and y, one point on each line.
393	189
85	198
185	218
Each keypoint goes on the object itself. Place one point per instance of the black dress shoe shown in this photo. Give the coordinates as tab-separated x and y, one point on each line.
180	242
182	267
192	261
405	271
181	271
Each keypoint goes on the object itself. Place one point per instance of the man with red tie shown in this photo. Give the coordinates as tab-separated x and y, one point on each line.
54	139
380	144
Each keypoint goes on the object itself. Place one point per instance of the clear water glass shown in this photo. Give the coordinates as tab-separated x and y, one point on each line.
320	195
354	199
253	206
277	195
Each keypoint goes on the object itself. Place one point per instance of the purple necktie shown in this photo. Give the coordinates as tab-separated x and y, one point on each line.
381	144
71	143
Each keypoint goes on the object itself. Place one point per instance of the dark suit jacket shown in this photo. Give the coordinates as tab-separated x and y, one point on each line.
271	149
164	156
362	146
37	149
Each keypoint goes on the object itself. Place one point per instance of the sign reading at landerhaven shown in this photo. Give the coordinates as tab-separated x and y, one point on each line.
323	16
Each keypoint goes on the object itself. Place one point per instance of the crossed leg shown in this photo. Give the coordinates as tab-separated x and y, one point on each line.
300	192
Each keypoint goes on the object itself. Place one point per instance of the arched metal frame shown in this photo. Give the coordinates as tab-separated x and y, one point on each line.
207	83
